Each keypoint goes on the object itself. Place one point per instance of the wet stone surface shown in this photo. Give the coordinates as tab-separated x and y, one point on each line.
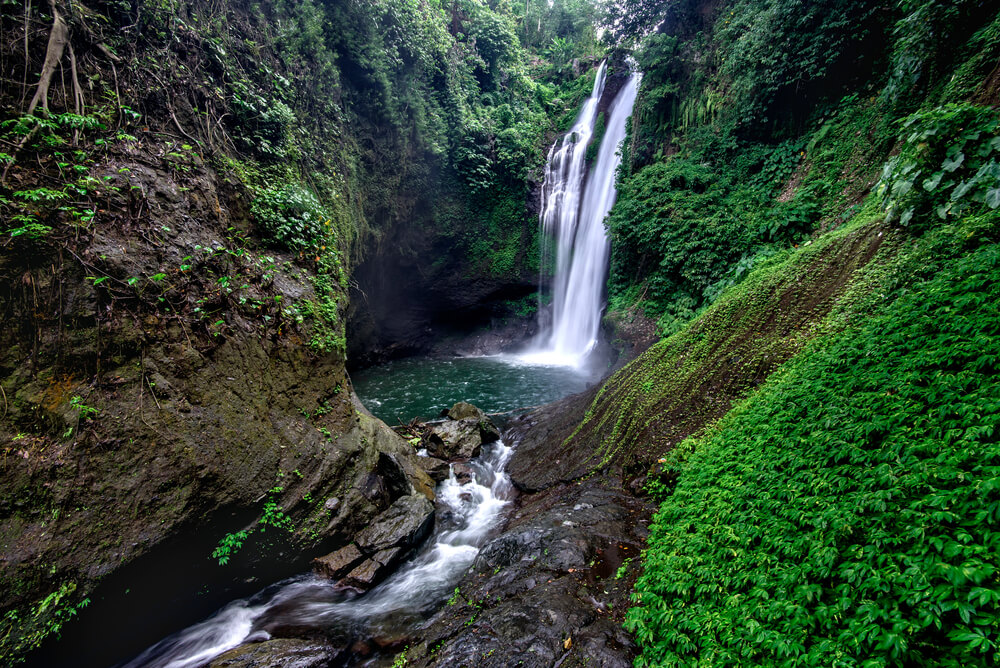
280	653
546	591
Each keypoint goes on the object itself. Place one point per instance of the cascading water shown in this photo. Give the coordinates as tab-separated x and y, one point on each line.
573	212
310	602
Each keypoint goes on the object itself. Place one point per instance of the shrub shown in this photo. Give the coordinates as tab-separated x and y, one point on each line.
671	231
947	165
291	216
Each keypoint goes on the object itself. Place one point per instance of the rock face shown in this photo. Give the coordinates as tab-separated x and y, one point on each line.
543	458
133	428
406	306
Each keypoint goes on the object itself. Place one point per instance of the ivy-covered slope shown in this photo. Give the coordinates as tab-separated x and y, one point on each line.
846	513
811	193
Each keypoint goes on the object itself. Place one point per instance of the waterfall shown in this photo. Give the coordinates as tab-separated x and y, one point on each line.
573	212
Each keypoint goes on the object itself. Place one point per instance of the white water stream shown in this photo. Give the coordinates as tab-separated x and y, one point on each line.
574	205
466	514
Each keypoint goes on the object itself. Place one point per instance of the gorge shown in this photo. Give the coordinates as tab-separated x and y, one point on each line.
407	332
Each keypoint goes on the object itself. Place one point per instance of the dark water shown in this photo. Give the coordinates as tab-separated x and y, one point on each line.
420	388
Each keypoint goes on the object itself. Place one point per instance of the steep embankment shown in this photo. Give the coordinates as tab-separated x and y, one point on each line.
842	512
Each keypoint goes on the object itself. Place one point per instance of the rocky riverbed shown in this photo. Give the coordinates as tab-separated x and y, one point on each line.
549	587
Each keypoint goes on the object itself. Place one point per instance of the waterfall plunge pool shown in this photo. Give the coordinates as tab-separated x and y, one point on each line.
420	387
466	514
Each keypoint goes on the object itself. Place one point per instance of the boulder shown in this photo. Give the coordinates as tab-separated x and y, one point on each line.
463	473
461	439
278	653
372	571
403	524
336	564
463	410
436	468
488	431
456	439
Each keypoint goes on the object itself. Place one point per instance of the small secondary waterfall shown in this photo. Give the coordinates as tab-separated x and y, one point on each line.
573	212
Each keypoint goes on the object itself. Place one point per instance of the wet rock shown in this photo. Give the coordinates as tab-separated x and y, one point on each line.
364	576
463	473
372	571
545	591
456	439
404	524
488	432
437	469
463	410
389	557
336	564
462	435
279	653
542	436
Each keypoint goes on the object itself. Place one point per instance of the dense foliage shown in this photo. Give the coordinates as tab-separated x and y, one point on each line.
845	514
210	172
772	104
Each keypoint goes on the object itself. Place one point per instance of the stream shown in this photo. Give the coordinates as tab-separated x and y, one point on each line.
465	514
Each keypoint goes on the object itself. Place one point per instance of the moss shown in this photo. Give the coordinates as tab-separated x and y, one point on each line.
688	380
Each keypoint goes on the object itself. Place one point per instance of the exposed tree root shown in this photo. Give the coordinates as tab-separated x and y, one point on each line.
58	39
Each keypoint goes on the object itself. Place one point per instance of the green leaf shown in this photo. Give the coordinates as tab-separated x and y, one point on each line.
933	182
951	164
993	198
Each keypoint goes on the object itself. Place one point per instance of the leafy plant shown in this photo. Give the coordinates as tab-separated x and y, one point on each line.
84	412
271	516
291	215
948	165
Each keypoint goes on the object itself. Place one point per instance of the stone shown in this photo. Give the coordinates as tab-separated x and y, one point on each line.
436	468
456	439
389	557
336	564
278	653
463	434
372	571
403	524
364	576
463	473
488	432
463	410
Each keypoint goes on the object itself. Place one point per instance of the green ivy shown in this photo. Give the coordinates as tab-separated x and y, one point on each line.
291	216
845	514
